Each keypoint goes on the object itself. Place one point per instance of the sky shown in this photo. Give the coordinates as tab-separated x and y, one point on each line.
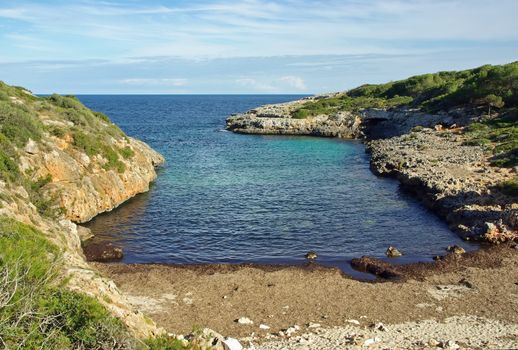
245	46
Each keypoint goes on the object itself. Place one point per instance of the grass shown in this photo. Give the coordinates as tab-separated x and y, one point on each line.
38	312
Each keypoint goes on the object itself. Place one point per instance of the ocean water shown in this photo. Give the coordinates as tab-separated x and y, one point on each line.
228	198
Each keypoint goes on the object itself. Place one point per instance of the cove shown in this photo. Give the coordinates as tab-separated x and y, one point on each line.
230	198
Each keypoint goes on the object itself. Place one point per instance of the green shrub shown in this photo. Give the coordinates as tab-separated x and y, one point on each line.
127	152
301	113
18	125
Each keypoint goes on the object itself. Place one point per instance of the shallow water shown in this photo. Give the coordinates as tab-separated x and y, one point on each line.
229	198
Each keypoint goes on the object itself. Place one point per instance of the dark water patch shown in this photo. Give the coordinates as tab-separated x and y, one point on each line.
228	198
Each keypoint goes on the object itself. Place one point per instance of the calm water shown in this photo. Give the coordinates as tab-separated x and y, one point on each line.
228	198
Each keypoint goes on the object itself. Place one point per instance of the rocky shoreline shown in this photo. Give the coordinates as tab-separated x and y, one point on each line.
425	152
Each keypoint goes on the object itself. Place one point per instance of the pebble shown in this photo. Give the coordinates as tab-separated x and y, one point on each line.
263	326
313	325
379	327
244	320
356	322
370	341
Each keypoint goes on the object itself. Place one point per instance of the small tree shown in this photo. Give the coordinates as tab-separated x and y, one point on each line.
492	101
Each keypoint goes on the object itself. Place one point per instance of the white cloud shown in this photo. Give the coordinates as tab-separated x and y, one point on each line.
294	82
285	83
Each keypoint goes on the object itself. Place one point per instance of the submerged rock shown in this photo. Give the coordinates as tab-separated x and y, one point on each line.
311	255
393	252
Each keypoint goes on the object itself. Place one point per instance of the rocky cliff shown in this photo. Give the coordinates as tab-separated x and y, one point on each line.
61	163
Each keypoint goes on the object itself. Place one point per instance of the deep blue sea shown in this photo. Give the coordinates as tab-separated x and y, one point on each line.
228	198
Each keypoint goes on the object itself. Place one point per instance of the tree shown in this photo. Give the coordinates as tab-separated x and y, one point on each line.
492	101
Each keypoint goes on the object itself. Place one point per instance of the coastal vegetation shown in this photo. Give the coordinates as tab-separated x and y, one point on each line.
35	310
490	91
484	87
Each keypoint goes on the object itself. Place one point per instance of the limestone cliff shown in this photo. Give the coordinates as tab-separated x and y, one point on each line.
61	163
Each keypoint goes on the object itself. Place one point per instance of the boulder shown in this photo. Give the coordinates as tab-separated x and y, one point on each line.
102	252
393	252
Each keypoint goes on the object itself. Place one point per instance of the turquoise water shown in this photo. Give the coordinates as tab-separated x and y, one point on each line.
229	198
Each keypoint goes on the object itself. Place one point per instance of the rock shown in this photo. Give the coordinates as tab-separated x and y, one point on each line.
393	252
370	341
231	344
356	322
102	252
311	255
290	330
263	326
313	325
433	343
84	233
378	326
31	147
244	321
449	344
455	249
375	266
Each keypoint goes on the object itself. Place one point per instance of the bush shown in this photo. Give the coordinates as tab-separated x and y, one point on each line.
17	124
127	152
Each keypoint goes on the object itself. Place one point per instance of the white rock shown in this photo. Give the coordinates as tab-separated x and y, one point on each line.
232	344
450	344
245	320
263	326
31	147
370	341
313	325
356	322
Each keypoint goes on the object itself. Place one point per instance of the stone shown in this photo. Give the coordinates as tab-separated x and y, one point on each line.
244	321
370	341
263	326
102	252
313	325
378	326
311	255
31	147
231	344
449	344
433	343
356	322
455	249
393	252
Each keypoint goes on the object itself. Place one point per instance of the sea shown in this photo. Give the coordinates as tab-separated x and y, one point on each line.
223	197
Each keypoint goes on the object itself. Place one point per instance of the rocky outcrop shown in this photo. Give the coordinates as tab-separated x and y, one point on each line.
454	180
369	123
343	125
83	187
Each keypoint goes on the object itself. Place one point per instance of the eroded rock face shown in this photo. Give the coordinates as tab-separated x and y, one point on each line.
83	188
343	125
454	180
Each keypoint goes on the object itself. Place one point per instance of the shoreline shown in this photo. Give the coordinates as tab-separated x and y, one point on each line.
478	284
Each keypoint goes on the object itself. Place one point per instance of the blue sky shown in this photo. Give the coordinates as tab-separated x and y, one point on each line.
248	46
